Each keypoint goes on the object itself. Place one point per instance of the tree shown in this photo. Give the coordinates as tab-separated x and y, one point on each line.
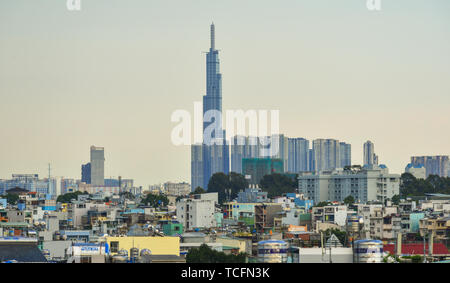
411	186
67	198
395	199
349	200
322	203
12	199
155	200
341	235
205	254
227	186
238	183
198	191
277	184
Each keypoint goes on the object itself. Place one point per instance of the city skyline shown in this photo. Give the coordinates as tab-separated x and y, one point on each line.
115	91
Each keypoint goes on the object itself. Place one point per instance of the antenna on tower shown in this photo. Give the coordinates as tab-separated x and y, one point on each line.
213	37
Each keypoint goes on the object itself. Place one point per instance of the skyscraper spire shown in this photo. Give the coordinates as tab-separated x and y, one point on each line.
213	37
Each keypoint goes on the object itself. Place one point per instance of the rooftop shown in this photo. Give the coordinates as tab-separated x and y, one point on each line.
20	252
418	249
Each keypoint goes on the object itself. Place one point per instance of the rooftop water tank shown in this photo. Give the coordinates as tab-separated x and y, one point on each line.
368	251
272	251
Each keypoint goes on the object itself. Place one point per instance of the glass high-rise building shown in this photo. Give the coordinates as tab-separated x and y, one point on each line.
196	166
214	149
213	98
370	158
86	173
298	155
238	152
326	154
345	150
434	165
243	147
254	169
97	166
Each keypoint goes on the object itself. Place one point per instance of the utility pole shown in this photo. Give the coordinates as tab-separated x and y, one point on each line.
330	246
424	250
321	242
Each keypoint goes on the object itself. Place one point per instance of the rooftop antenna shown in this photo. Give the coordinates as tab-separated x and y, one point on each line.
213	37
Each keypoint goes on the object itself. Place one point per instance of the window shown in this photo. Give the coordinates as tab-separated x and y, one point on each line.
114	247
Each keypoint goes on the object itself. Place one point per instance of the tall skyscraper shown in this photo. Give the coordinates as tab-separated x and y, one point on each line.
274	146
257	168
243	147
370	158
86	173
434	165
213	98
97	166
196	166
326	154
278	149
238	150
298	155
215	149
346	154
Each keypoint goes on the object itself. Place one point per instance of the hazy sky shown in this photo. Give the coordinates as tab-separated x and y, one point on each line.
112	74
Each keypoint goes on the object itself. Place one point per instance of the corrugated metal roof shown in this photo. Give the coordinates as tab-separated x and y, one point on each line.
21	252
418	249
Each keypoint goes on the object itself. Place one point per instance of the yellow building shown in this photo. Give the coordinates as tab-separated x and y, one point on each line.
242	245
157	245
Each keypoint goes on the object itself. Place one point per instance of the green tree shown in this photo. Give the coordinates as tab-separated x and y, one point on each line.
155	200
278	184
411	186
341	235
198	191
12	199
322	203
395	199
205	254
349	200
227	186
67	198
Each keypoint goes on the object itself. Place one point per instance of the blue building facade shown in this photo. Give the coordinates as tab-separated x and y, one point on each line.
298	155
346	154
215	148
86	173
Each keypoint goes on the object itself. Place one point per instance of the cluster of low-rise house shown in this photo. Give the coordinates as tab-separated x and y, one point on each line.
107	227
